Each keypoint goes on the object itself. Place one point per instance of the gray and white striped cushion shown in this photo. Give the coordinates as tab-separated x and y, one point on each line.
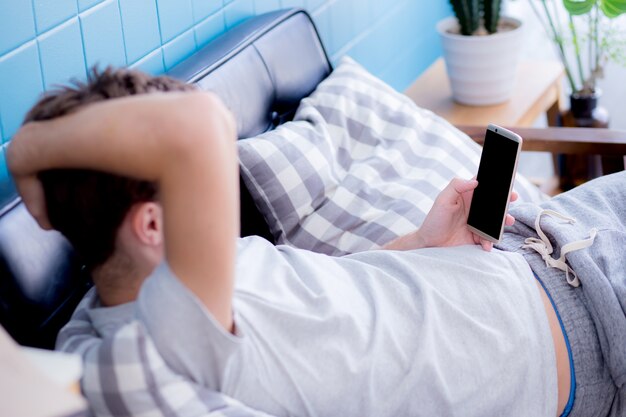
360	165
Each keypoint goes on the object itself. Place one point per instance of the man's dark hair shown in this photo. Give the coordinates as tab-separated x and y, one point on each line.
88	206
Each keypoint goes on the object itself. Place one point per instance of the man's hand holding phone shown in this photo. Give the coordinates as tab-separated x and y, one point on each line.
446	222
473	211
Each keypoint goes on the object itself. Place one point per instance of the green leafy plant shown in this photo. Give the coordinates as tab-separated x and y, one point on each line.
589	34
471	13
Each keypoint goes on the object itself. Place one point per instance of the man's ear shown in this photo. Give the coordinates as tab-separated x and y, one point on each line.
147	223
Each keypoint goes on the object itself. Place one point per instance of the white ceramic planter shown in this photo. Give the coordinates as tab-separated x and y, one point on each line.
481	69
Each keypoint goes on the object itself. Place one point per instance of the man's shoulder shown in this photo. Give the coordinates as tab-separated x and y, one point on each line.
91	323
79	326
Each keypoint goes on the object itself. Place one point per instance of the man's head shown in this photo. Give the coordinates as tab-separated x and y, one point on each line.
103	215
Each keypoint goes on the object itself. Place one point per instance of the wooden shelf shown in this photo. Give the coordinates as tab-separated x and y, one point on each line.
537	90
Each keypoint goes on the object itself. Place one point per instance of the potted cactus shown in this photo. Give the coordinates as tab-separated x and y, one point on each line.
481	50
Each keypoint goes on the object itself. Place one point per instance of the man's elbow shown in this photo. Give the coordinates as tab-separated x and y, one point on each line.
206	120
199	130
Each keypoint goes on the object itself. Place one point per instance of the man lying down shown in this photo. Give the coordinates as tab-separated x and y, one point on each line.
433	325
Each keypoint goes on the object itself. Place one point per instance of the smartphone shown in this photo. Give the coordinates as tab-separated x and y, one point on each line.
496	174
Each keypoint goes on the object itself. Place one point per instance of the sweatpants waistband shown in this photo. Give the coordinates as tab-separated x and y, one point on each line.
595	390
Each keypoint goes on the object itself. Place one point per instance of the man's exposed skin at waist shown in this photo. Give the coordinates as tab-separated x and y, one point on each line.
560	350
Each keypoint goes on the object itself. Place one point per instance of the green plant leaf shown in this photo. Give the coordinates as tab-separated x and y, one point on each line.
578	7
613	8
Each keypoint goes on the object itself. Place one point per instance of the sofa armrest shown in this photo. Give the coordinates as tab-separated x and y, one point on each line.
565	140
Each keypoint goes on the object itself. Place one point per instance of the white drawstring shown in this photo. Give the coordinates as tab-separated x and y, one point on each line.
544	248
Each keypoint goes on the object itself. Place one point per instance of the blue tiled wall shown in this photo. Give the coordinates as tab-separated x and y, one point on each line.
47	42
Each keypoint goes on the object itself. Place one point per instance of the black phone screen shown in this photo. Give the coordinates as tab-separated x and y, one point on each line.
495	173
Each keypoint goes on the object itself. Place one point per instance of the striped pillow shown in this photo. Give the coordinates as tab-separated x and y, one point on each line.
359	165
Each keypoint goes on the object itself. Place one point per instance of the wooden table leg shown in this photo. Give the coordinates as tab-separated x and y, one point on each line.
552	186
553	114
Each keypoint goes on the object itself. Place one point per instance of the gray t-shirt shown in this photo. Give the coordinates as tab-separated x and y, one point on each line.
449	331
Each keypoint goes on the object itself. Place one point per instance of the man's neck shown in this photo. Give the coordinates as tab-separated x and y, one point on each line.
114	289
114	298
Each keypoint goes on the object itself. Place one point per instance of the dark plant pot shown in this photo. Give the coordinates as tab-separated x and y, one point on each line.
576	169
585	112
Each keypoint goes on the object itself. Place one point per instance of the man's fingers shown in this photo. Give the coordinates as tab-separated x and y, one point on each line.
462	186
487	245
510	220
31	191
514	196
20	166
455	188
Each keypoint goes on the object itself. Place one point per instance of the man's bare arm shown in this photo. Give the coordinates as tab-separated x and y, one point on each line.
186	143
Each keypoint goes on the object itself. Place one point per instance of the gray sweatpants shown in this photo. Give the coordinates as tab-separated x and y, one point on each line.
593	314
